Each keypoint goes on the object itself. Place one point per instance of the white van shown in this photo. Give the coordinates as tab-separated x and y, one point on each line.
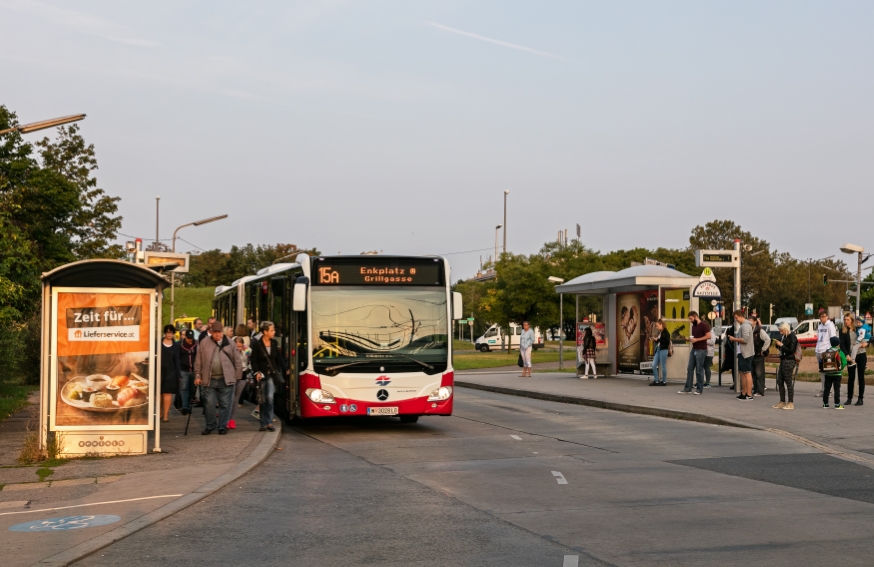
491	339
806	332
793	322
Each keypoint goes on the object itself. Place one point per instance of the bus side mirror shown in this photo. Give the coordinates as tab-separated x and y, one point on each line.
299	295
457	310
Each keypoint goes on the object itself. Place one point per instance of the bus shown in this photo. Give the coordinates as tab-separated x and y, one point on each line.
367	335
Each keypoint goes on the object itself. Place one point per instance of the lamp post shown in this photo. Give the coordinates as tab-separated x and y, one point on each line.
172	274
556	280
497	228
507	192
34	126
860	251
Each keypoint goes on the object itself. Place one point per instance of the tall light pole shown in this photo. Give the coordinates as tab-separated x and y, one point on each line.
172	274
860	251
497	228
507	192
556	280
34	126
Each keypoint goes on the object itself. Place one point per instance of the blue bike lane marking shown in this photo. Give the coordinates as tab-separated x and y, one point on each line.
65	523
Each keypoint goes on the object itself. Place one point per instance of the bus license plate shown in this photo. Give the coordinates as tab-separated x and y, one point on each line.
382	411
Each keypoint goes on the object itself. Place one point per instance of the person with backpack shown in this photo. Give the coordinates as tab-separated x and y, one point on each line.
761	343
833	361
790	357
824	334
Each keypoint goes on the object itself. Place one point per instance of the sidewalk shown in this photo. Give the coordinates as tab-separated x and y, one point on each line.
138	490
850	429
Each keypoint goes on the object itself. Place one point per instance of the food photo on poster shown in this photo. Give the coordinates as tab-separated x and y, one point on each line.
103	375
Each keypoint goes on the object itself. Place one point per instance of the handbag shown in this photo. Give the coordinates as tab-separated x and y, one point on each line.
277	377
520	362
671	348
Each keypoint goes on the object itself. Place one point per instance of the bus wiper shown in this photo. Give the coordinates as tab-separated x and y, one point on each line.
339	366
425	364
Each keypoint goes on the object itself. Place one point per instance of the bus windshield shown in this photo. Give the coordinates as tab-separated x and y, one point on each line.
362	329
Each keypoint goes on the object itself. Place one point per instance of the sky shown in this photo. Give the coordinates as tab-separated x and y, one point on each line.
397	126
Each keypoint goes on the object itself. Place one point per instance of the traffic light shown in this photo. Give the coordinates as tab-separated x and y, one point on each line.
824	279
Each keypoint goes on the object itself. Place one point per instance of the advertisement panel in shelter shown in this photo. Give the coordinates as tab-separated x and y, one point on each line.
675	310
649	309
628	332
101	374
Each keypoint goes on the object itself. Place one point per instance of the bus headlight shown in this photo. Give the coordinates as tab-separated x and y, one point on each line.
441	394
320	396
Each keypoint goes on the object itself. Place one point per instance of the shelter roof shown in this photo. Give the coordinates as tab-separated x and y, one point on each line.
635	278
103	272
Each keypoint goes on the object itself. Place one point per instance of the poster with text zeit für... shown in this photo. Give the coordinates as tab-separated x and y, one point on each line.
103	345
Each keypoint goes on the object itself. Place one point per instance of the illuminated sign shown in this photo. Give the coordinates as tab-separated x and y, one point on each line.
181	261
385	271
716	259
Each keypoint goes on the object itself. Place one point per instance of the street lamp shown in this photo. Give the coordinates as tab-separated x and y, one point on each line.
856	249
507	192
34	126
497	228
173	274
556	280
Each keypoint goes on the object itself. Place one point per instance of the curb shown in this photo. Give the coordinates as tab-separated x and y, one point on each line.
259	455
614	406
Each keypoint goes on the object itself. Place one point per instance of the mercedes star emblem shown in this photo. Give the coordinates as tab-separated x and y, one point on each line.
382	395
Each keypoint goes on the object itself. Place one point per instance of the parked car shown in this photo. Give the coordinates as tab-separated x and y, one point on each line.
491	339
806	332
793	322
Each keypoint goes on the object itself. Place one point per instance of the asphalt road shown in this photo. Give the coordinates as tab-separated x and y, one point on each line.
518	482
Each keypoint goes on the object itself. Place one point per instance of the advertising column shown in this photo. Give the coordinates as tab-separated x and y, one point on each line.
101	375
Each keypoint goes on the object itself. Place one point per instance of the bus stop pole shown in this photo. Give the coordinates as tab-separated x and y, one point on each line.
561	331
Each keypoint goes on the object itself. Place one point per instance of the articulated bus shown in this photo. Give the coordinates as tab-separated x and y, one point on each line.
364	335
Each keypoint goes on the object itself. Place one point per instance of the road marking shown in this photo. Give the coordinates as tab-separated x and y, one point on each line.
559	478
516	437
68	523
571	561
92	504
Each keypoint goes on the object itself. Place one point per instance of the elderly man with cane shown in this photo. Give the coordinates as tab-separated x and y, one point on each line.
216	369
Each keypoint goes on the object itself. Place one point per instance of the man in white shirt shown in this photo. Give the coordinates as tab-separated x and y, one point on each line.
824	333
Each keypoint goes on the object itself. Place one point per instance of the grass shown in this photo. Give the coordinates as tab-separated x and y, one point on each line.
13	398
462	345
190	302
475	359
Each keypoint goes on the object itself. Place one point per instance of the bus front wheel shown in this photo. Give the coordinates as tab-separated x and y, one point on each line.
409	418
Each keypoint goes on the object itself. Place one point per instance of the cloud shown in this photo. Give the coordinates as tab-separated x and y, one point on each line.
495	41
79	21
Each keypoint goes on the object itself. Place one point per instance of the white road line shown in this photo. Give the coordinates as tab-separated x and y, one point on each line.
92	504
559	478
571	561
516	437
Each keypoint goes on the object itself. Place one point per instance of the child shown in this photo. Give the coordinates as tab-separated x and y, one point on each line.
833	363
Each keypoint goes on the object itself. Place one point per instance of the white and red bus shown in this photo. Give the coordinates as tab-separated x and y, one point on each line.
364	335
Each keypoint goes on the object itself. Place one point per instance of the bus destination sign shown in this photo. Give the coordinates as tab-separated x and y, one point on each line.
378	272
716	258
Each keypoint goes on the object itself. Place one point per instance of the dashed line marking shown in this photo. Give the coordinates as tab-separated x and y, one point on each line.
571	561
559	478
516	437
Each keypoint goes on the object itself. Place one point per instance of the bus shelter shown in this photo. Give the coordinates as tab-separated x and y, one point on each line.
632	301
99	384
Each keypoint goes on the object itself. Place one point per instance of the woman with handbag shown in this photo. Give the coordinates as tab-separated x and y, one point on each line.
245	353
266	361
663	350
589	351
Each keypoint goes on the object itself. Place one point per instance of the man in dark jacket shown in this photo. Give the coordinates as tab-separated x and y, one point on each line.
217	368
761	343
187	354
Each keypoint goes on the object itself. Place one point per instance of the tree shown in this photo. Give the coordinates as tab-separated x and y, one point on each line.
214	267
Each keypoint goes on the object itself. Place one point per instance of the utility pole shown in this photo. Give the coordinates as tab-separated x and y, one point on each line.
157	217
507	192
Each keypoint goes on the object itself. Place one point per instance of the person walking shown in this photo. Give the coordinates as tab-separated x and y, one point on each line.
833	362
745	350
171	372
860	357
526	343
197	327
243	332
187	355
245	354
786	373
267	364
708	360
660	357
700	335
206	330
761	344
589	352
824	334
217	369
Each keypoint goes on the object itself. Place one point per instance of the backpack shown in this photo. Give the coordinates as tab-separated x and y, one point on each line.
831	361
